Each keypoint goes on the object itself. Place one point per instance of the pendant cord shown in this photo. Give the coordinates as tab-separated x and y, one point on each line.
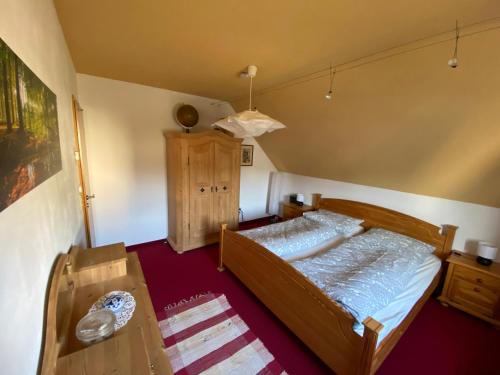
456	39
251	86
332	76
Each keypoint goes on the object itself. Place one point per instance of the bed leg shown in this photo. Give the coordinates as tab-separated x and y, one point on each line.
223	228
370	336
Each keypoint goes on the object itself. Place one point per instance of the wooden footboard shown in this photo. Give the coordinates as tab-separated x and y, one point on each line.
317	320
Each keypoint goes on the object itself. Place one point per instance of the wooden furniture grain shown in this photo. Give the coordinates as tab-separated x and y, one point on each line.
203	180
317	320
472	287
78	280
291	210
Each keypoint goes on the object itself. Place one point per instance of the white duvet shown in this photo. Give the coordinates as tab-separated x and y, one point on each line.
394	313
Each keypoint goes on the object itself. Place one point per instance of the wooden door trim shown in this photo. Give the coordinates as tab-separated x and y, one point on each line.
81	173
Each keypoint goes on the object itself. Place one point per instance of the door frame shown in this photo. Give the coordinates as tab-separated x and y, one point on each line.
80	169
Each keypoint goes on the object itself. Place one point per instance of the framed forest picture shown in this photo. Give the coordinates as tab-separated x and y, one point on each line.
30	151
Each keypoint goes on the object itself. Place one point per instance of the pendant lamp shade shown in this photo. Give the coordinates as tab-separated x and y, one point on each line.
249	123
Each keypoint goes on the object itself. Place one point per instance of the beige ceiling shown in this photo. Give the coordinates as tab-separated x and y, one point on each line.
200	46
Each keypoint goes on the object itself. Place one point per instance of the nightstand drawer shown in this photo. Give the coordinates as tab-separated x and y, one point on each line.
478	298
478	278
290	212
472	287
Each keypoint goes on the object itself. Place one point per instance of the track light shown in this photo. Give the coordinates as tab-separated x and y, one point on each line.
329	94
453	62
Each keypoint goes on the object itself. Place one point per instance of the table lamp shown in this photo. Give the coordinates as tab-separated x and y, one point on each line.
486	253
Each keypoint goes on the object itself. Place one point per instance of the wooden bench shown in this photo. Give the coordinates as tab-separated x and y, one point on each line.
78	280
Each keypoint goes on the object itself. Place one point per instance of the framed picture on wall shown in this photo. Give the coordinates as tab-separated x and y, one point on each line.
247	155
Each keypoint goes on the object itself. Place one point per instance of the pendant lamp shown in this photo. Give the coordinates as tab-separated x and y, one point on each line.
249	123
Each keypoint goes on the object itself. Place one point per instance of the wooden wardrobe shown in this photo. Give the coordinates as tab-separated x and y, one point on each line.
203	181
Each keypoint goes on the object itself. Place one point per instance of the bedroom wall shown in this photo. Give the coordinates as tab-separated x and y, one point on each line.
47	220
401	120
124	126
475	222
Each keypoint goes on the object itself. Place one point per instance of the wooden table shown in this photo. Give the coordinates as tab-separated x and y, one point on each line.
79	279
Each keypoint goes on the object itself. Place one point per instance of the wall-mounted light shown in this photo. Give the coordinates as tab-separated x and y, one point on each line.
329	94
453	62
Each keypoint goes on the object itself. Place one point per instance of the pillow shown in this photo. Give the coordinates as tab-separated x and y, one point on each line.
391	240
342	224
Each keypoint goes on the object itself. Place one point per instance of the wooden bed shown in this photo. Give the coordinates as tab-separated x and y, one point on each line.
316	319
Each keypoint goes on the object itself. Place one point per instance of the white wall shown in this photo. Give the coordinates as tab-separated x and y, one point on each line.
254	185
124	126
47	220
475	222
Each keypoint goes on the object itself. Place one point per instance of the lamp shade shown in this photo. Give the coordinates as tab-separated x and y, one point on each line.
486	251
248	124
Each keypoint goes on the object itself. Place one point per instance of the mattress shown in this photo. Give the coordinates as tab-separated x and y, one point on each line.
395	312
299	237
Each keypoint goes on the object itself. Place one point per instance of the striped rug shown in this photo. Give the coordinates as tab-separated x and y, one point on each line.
205	336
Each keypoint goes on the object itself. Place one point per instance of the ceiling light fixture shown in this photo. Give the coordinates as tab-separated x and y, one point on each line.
453	62
249	123
329	94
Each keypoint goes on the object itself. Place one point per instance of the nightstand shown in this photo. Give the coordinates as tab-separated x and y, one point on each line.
472	287
291	210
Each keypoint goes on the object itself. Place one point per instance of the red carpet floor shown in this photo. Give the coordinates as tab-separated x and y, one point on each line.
439	341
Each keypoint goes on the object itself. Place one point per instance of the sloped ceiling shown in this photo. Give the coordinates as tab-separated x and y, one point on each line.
199	47
406	122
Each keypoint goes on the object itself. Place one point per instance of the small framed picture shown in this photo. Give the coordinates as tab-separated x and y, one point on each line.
246	155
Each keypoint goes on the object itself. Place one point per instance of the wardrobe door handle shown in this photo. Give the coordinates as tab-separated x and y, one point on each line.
216	189
225	188
202	190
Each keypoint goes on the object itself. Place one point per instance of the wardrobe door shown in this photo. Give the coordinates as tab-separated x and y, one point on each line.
226	181
200	164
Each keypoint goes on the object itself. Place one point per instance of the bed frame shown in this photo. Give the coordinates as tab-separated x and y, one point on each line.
322	324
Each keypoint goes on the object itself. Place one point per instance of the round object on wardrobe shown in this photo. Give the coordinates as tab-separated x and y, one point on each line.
186	116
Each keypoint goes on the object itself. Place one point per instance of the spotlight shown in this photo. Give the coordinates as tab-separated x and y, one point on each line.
453	62
329	95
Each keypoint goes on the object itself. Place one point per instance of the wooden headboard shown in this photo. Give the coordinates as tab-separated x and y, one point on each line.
380	217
